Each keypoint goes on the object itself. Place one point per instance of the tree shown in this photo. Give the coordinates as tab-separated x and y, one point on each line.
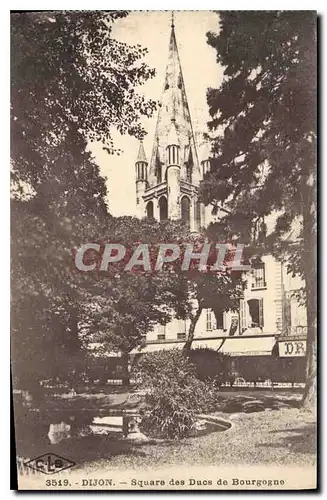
219	291
128	304
68	72
157	296
73	309
71	83
263	133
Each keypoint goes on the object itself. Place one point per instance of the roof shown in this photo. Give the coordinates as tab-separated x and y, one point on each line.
172	136
141	154
174	107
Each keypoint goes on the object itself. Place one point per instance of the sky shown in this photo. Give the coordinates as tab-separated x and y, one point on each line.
151	29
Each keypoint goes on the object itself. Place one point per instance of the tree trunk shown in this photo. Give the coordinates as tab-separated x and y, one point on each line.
310	243
309	397
73	339
73	345
125	375
191	330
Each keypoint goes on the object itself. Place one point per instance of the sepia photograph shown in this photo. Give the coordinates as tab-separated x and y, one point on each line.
163	194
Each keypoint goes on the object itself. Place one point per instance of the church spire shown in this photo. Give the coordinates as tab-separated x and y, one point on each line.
141	154
174	107
141	180
172	20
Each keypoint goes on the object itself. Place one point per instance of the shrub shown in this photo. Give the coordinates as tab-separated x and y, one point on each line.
210	365
174	395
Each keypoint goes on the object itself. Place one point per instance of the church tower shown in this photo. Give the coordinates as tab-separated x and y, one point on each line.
141	171
169	186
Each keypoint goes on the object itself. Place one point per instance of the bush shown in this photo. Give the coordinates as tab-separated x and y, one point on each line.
210	365
174	395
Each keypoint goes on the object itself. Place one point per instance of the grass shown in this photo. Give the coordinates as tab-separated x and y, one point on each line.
276	437
268	428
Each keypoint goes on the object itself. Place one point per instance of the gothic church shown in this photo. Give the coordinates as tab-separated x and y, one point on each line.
167	187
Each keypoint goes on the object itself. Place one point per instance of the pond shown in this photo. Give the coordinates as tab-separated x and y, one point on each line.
51	428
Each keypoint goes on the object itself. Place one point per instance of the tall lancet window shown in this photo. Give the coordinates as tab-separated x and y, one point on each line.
186	210
163	208
149	210
205	167
189	168
158	168
173	155
197	215
159	173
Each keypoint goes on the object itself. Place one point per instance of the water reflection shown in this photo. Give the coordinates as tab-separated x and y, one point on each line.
38	429
58	432
98	425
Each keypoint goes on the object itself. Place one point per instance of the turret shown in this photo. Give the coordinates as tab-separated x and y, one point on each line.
173	173
141	168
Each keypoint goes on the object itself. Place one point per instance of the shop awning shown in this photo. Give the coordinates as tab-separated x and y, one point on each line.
214	344
251	346
164	346
261	346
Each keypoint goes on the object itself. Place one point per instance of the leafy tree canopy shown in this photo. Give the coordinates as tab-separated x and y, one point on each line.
263	136
68	72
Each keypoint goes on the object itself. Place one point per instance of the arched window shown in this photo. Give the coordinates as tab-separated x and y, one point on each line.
189	173
149	210
189	166
163	208
205	167
141	171
186	208
173	155
197	214
159	173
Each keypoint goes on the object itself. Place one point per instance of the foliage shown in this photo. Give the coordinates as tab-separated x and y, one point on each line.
72	309
126	305
219	290
138	300
210	365
261	368
71	82
263	136
173	394
266	108
67	71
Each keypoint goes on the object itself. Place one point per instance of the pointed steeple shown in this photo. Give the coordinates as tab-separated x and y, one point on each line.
172	19
174	107
172	139
141	166
141	157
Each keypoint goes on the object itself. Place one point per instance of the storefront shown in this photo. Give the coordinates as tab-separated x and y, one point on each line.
265	358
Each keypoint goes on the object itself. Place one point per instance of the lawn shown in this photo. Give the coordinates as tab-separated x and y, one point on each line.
276	437
267	428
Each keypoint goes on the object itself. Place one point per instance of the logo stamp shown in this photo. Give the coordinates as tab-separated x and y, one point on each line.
49	463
